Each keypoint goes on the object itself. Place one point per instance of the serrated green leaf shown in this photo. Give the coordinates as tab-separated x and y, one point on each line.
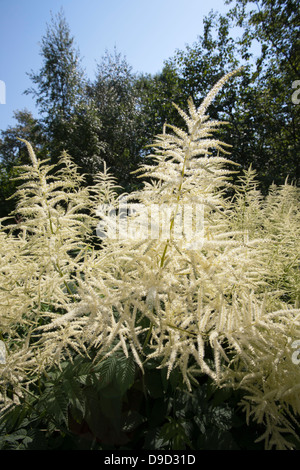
174	433
107	370
131	421
125	374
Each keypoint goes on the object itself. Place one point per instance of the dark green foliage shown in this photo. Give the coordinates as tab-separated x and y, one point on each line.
112	405
68	116
115	116
80	400
264	121
204	419
123	125
157	94
13	153
271	116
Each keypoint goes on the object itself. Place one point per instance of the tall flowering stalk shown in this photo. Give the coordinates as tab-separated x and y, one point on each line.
224	303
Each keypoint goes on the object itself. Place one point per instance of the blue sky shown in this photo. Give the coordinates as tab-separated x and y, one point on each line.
147	32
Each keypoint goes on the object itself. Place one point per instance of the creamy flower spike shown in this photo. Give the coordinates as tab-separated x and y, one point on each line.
227	307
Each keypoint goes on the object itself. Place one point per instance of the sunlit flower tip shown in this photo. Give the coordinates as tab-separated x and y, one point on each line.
151	297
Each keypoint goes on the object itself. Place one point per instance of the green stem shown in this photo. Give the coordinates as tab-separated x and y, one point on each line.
65	283
148	336
181	329
174	215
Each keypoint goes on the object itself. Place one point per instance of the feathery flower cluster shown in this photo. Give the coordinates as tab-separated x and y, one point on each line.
227	307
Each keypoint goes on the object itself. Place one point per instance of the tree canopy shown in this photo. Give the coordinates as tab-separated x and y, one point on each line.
114	116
